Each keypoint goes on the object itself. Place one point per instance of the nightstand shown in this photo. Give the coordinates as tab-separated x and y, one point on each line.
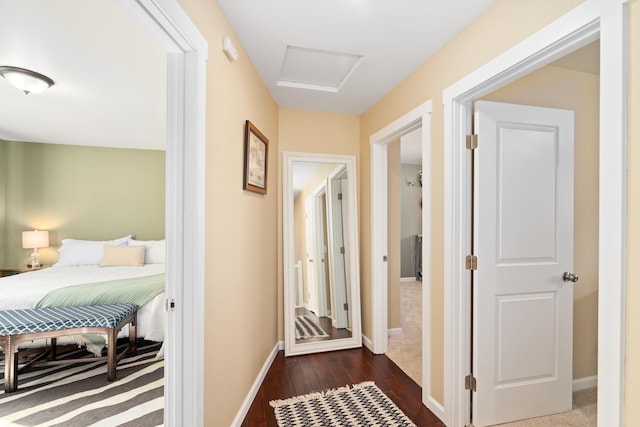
18	270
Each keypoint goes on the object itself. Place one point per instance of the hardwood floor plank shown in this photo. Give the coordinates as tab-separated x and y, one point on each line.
298	375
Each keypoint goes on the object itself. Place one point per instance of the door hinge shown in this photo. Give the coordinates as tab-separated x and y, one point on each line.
470	382
171	304
471	262
346	306
342	250
339	196
472	142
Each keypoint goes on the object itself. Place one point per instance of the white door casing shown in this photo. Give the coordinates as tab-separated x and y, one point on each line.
312	285
419	116
523	310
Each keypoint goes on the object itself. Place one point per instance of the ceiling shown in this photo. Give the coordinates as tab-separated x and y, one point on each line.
110	78
109	75
392	39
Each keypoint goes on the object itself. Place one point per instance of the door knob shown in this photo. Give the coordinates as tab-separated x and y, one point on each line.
570	277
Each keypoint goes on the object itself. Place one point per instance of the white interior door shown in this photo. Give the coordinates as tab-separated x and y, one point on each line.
337	252
523	238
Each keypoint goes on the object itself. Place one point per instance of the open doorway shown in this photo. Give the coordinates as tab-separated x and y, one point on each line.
570	32
569	84
405	253
419	118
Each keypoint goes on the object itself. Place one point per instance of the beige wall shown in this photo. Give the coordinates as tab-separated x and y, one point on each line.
313	132
632	376
78	192
504	24
241	289
561	88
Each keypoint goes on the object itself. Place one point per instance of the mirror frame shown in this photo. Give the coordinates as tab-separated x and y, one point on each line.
291	347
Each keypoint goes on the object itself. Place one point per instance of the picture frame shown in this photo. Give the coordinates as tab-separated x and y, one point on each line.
256	156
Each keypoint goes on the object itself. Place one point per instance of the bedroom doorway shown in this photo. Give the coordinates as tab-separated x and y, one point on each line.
570	32
186	66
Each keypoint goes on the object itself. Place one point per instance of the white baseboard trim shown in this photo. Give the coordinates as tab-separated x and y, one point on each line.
394	331
367	342
237	421
407	279
281	345
585	383
435	407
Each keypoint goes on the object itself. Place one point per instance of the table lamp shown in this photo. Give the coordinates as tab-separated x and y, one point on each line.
35	239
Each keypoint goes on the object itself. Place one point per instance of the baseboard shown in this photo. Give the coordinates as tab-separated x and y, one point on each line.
394	331
435	407
367	342
281	345
407	279
585	383
244	409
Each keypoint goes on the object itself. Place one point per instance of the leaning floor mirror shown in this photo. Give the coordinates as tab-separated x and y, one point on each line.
320	246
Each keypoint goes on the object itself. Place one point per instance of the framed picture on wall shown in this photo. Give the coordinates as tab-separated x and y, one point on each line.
256	155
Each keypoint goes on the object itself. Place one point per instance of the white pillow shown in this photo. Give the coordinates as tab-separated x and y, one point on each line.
155	250
85	252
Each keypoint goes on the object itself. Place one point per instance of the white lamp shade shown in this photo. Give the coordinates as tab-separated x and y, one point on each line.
35	239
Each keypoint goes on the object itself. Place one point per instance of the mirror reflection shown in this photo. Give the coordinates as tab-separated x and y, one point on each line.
323	311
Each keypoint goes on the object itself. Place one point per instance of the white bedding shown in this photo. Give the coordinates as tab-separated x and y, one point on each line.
26	289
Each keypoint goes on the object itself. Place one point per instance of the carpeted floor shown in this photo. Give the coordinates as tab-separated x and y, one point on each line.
79	395
406	351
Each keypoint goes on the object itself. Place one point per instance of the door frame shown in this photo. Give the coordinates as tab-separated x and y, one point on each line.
607	20
418	117
319	227
187	52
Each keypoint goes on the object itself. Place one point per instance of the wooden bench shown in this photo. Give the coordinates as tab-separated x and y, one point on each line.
37	323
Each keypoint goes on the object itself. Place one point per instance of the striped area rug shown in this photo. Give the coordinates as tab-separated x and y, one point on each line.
307	328
80	395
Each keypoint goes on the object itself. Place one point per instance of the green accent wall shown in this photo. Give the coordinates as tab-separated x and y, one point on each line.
92	193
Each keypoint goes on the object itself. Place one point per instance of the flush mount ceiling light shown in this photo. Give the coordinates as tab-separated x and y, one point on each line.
315	69
26	80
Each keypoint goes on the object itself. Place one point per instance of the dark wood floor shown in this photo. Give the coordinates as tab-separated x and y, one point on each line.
297	375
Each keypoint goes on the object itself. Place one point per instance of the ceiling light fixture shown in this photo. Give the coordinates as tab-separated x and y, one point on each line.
26	80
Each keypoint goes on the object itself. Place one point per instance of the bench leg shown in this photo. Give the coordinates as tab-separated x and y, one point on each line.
112	354
10	365
132	334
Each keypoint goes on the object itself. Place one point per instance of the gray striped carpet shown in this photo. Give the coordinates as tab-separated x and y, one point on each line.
80	395
307	328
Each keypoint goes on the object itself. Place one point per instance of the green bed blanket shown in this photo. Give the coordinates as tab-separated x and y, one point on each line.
138	290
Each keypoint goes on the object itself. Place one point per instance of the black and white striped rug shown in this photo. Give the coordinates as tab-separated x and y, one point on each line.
80	395
362	405
307	328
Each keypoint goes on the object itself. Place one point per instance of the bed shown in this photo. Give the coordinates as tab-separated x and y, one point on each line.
107	266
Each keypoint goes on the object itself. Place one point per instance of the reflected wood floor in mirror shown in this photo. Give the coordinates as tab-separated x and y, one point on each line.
298	375
325	323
